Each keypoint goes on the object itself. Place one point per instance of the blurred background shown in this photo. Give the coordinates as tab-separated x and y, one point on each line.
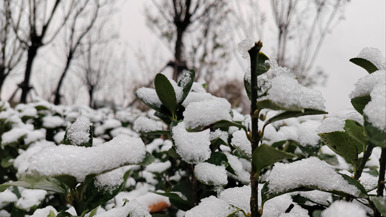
97	52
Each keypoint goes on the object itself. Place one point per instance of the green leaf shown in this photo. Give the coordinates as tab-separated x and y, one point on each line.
380	204
357	132
218	159
247	86
344	145
149	158
293	114
150	104
375	135
6	162
262	66
186	82
266	155
268	194
68	180
165	92
227	124
51	214
156	133
64	214
44	183
359	103
268	104
367	65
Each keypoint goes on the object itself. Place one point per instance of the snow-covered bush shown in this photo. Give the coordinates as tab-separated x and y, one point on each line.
193	155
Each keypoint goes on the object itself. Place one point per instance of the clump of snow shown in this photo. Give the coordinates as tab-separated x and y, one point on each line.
58	138
307	133
365	85
123	130
344	209
240	140
111	180
319	197
244	46
277	206
242	174
197	97
51	122
373	55
13	135
158	167
219	134
149	96
34	136
132	209
80	161
238	197
193	147
286	92
204	113
146	125
79	131
375	110
308	172
331	124
30	198
211	174
7	197
210	206
44	212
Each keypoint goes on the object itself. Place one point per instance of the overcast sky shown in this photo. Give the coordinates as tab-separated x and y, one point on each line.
364	26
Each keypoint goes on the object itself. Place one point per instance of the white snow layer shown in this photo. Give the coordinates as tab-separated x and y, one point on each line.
30	198
331	124
373	55
238	197
241	141
204	113
149	96
44	212
132	209
52	122
80	161
277	206
375	110
210	206
244	46
286	92
79	132
365	85
146	125
211	174
7	197
242	174
308	172
193	147
344	209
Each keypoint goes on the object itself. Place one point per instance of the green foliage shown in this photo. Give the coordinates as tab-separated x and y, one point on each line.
165	92
367	65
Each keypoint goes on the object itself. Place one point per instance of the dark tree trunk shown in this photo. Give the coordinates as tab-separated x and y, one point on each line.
3	75
178	59
58	96
32	51
91	95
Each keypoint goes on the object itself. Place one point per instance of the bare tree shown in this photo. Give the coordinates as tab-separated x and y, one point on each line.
301	27
78	26
189	29
11	51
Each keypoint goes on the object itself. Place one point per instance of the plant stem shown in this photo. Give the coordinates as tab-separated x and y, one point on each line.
253	53
382	168
366	156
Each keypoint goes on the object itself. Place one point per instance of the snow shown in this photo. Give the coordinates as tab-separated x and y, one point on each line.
52	122
331	124
193	147
111	180
319	197
286	92
365	85
4	213
375	110
44	212
277	206
146	125
79	132
7	197
132	209
244	46
149	96
30	198
13	135
204	113
177	90
373	55
158	167
240	141
219	134
307	172
210	206
238	197
197	97
35	136
123	130
58	138
80	161
211	174
242	174
344	209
